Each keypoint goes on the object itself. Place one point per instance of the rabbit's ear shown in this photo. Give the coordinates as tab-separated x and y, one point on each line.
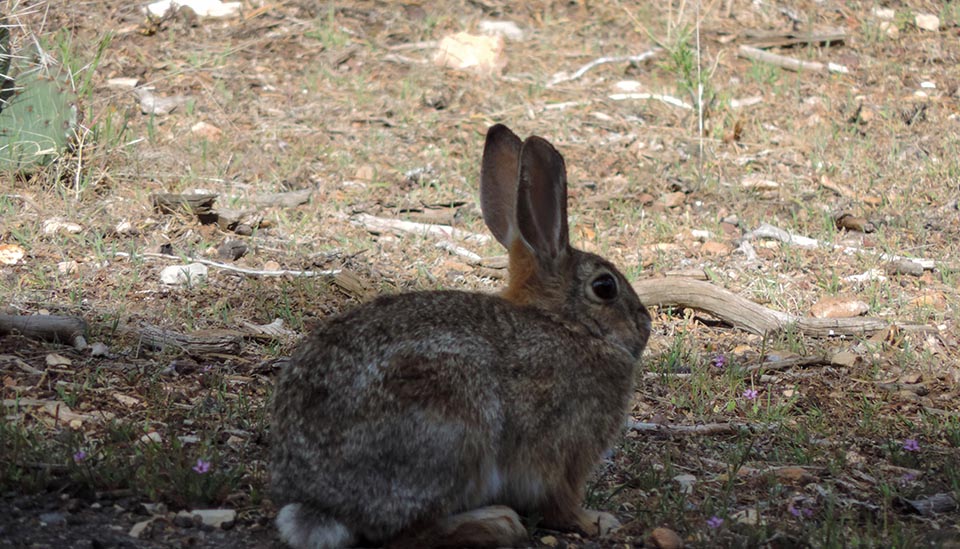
542	201
498	183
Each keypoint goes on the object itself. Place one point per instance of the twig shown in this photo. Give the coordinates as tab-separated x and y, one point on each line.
704	429
561	77
775	233
451	247
252	272
382	225
668	99
790	363
789	63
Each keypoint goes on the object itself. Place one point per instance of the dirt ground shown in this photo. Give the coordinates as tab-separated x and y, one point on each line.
739	439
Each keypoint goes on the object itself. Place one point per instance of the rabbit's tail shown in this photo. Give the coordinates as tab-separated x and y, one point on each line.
305	528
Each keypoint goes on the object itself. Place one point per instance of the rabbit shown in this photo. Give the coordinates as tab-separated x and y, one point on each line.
430	419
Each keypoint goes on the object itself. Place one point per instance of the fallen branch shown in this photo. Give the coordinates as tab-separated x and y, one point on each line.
59	329
562	77
197	343
775	233
741	313
332	273
789	63
380	225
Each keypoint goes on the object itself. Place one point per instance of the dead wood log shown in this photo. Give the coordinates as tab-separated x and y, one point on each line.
201	342
743	314
59	329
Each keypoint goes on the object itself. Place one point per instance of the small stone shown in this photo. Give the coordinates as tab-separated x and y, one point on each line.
549	541
890	29
232	250
365	173
927	21
884	13
845	358
53	519
68	267
477	53
54	360
271	266
214	517
99	350
137	529
665	538
55	225
838	307
686	482
207	131
152	437
672	200
712	247
177	275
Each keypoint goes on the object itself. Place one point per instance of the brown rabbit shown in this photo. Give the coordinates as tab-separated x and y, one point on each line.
426	418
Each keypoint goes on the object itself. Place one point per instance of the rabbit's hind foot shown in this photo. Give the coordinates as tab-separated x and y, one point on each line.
303	528
491	526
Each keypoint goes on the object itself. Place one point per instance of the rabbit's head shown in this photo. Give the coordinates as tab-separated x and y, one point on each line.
523	195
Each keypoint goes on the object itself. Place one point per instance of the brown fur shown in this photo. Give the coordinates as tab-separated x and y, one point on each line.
414	419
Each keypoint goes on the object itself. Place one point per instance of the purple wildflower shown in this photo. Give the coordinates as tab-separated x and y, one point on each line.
807	512
750	394
719	361
202	466
79	456
714	522
911	445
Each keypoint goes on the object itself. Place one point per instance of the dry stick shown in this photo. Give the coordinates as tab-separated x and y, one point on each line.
789	63
560	78
471	257
704	429
224	266
668	99
385	225
775	233
746	315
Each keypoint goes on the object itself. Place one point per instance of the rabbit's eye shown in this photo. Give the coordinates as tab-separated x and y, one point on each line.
604	287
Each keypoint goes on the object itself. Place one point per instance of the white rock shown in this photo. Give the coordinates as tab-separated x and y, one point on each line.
98	349
137	529
56	225
686	482
11	254
477	53
928	85
68	267
506	29
927	21
212	517
628	85
203	8
884	13
183	274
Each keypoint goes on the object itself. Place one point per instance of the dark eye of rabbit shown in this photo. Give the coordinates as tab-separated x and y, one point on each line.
604	287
